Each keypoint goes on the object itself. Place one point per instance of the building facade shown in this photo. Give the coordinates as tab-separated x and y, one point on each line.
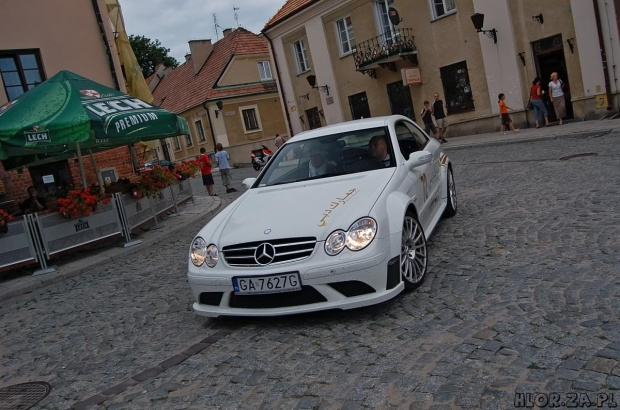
342	60
45	37
227	92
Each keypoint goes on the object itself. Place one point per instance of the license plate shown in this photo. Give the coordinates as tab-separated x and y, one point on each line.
257	285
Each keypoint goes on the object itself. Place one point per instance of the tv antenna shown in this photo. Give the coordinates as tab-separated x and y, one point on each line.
216	26
236	15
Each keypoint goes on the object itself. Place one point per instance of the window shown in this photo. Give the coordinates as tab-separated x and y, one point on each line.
264	70
201	131
386	29
20	71
301	57
456	88
188	141
346	37
410	138
177	143
251	122
442	7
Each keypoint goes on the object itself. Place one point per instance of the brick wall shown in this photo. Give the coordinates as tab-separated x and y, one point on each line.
17	181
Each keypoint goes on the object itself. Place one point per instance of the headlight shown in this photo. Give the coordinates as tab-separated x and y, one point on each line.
361	233
201	253
335	242
359	236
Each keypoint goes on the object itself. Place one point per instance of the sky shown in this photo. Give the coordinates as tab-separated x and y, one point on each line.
175	22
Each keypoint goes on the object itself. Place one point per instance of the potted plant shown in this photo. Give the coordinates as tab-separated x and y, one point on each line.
5	218
154	180
80	202
187	169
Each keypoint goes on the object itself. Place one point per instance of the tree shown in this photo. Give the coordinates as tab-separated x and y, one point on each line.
150	53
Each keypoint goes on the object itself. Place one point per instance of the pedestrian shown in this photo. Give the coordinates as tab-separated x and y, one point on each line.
427	117
222	159
205	170
440	117
538	103
34	203
556	93
279	141
503	110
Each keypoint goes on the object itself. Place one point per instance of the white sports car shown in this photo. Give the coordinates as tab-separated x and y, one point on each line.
338	219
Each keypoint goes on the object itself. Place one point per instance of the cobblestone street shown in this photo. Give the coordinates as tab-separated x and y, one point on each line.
522	296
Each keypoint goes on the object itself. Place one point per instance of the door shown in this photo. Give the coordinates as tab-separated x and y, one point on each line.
549	57
359	106
49	178
400	99
425	179
314	120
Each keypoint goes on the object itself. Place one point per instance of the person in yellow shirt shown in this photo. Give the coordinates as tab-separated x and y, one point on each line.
503	110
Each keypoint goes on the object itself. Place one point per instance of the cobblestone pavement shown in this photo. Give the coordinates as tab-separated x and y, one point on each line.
522	296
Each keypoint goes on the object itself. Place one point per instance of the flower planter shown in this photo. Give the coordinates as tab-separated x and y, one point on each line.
137	193
4	228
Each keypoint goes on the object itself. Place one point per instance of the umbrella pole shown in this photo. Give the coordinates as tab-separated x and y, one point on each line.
99	178
79	155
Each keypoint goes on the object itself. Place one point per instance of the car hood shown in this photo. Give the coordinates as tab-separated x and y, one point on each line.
312	208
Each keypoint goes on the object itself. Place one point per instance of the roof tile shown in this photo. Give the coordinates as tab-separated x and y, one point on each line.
290	7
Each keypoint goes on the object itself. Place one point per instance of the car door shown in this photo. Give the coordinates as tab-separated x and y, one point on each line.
425	179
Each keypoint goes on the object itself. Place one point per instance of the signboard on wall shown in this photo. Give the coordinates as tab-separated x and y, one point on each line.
602	101
411	76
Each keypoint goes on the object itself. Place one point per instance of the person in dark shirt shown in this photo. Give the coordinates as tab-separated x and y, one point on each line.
33	203
440	117
427	117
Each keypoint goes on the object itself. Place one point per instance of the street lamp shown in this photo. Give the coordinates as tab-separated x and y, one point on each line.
478	20
219	105
312	81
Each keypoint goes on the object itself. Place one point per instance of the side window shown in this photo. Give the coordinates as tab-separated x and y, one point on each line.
410	139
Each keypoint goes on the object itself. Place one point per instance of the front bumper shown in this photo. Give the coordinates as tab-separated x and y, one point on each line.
345	282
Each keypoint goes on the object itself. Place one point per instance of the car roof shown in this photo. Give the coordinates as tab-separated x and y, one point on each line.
347	126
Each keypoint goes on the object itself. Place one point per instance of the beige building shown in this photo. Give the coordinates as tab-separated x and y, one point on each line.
347	59
227	93
41	38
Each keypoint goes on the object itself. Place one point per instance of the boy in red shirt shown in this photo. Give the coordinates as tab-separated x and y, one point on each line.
205	170
503	110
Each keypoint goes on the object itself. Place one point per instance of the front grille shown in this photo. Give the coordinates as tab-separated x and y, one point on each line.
306	296
352	288
286	250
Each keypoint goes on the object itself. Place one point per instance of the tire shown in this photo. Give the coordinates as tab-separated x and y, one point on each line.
413	254
256	167
452	204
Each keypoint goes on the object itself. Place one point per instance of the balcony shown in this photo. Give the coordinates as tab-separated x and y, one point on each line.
384	50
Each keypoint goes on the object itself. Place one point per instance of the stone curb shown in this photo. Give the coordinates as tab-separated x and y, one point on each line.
112	254
522	139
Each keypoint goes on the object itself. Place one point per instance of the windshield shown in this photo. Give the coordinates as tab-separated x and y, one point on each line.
328	156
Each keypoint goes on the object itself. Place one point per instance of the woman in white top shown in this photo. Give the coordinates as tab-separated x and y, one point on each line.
557	96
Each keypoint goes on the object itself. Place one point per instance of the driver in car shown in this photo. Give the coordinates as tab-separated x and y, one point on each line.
379	149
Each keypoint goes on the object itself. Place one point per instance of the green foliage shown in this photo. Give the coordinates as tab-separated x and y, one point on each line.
150	53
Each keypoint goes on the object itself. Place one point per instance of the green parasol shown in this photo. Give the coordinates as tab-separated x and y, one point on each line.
70	113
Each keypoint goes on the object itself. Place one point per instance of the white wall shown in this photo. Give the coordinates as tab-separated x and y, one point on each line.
322	66
586	38
287	94
501	64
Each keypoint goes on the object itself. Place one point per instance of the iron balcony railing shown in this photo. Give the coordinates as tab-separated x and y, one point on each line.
384	49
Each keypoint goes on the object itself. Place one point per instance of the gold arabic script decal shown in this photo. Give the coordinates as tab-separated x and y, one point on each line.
335	204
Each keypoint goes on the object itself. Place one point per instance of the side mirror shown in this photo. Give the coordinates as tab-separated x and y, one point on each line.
419	158
248	182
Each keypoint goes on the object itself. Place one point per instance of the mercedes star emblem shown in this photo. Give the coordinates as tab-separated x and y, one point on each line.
265	254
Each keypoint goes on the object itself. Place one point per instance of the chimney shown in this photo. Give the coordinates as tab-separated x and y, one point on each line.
227	31
188	57
200	50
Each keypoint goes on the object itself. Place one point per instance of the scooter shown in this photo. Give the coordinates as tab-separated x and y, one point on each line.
260	157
